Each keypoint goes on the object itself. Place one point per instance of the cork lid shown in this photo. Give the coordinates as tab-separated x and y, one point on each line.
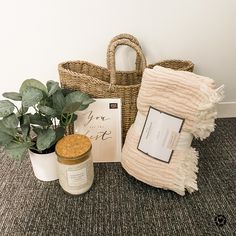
73	146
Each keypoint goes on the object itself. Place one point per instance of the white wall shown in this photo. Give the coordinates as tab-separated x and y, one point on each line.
37	35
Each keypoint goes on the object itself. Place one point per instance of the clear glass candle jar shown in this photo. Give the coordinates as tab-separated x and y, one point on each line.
74	163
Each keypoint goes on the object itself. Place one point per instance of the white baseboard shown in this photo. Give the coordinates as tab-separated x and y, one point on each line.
226	109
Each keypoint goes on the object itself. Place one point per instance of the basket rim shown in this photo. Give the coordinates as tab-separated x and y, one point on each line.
60	65
189	64
76	74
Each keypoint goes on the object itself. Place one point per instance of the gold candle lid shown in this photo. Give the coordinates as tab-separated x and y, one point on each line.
73	146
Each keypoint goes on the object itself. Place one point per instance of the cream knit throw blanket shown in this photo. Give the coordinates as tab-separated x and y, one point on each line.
183	94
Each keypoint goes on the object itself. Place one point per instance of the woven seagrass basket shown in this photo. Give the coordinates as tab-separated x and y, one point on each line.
100	82
175	65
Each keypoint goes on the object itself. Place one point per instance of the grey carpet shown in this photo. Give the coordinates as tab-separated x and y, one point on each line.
117	204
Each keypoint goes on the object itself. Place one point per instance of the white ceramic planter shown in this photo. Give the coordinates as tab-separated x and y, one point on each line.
44	166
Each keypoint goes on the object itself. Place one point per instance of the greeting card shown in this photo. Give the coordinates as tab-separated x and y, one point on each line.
101	122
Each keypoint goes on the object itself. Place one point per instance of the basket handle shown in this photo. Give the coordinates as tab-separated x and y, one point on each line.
132	39
111	56
125	36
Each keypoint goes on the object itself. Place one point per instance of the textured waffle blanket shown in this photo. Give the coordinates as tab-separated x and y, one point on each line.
182	94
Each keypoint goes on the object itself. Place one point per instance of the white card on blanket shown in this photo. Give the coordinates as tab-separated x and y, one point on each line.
101	122
160	134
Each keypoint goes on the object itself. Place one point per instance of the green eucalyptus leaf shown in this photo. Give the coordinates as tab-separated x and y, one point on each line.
17	150
37	130
72	107
38	119
5	139
88	101
33	83
58	101
45	139
48	102
10	121
77	101
52	87
47	110
6	108
83	107
60	132
67	91
9	131
13	96
31	97
76	96
25	126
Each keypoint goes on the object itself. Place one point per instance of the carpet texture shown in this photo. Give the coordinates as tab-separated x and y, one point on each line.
118	204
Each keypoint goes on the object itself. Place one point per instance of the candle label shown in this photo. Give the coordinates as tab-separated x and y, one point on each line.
77	178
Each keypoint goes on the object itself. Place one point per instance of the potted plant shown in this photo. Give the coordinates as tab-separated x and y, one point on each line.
36	119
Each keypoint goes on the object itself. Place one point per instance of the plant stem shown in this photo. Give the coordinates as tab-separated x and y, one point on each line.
55	123
70	118
17	109
36	110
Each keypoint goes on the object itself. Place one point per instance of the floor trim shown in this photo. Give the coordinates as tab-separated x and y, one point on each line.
226	109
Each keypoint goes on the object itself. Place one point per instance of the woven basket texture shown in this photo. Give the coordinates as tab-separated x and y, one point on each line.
100	82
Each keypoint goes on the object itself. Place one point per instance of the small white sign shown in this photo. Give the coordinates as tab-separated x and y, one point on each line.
160	134
101	122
